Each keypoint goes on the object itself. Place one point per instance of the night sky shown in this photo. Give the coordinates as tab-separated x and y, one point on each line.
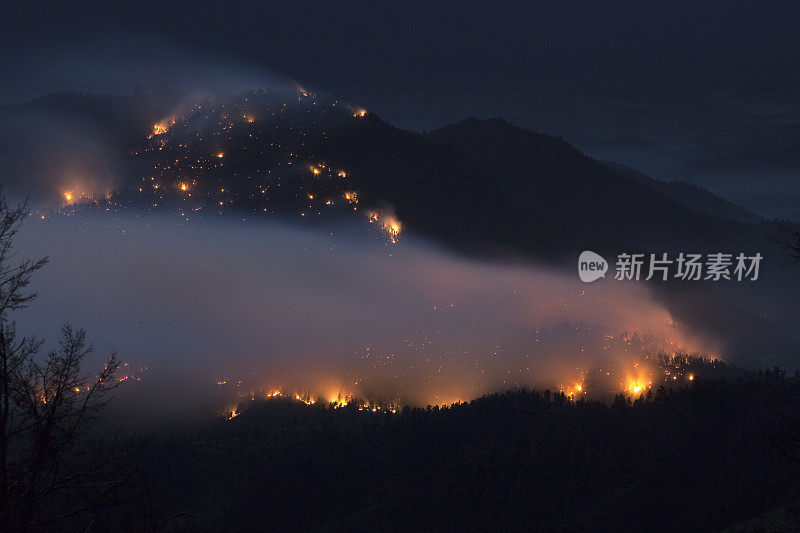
358	49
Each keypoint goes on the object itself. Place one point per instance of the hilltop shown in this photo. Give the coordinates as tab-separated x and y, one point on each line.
482	187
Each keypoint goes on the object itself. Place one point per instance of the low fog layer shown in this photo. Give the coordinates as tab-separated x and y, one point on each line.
259	305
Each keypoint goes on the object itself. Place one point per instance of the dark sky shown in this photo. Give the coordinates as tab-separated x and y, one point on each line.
357	48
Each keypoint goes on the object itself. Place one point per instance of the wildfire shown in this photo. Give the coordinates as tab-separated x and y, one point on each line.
637	386
159	128
574	390
334	401
630	377
71	197
304	399
388	222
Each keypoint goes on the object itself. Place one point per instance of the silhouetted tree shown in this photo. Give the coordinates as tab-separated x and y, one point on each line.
46	405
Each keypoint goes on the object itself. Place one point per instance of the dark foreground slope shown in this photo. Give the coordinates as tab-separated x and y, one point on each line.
699	458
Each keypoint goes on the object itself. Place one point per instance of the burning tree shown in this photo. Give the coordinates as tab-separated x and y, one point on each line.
47	404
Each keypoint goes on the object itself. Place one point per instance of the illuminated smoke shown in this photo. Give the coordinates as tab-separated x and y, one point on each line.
220	310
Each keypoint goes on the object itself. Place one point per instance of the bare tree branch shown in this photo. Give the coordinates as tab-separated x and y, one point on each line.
46	406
